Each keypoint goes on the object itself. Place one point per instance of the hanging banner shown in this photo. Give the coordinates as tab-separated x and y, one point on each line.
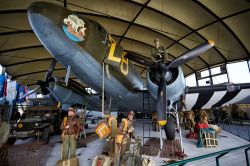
2	81
21	92
11	91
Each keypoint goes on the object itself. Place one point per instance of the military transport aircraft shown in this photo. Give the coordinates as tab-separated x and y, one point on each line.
86	49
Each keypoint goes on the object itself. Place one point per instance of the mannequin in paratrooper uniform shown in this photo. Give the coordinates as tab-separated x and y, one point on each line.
111	144
159	52
127	132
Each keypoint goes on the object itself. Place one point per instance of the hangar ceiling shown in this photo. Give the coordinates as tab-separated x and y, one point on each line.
179	24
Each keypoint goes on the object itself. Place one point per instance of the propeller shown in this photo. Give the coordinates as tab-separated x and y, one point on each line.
44	85
139	59
162	70
54	97
191	54
161	98
29	93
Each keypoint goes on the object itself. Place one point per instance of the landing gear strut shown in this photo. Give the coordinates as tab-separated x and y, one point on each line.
170	128
181	153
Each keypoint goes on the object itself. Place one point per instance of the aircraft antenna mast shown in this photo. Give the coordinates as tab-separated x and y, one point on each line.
103	89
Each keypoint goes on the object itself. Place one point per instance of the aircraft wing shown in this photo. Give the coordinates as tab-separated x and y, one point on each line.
203	97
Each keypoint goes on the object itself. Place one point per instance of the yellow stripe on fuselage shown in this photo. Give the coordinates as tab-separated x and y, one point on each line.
112	51
124	66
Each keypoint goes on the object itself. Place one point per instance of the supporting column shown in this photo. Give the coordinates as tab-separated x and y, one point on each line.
228	79
65	3
210	76
196	79
248	64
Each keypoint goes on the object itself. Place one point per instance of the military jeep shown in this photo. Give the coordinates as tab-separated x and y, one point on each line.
37	121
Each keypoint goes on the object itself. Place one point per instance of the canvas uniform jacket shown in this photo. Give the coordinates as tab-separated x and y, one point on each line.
74	126
127	128
131	129
160	53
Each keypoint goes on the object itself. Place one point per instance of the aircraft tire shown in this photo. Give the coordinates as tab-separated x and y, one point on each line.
170	128
11	141
5	130
46	135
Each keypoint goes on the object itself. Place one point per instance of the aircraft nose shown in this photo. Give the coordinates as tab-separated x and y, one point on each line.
47	25
50	10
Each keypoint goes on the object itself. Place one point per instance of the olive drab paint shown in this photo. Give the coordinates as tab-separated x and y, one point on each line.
124	67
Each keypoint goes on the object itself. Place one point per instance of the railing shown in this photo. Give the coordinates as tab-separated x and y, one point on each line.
218	155
238	127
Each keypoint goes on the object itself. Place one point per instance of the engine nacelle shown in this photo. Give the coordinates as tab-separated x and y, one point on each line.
175	83
65	94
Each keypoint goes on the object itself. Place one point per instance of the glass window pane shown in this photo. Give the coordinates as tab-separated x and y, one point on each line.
91	91
39	96
191	81
238	72
204	73
215	70
204	82
220	79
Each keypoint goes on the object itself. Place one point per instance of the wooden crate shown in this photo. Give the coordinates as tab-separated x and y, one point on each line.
209	139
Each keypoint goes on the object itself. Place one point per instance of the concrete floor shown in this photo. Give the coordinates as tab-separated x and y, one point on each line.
86	155
233	158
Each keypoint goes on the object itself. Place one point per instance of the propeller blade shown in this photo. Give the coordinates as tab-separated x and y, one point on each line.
51	70
139	59
191	54
29	93
162	100
54	97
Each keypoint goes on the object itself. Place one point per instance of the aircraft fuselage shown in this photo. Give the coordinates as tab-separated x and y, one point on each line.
86	56
90	48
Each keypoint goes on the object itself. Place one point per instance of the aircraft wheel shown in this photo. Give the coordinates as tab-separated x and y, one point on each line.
5	130
46	134
11	141
170	128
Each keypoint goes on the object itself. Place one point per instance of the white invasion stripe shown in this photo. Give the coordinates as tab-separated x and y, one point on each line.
241	95
217	96
191	100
